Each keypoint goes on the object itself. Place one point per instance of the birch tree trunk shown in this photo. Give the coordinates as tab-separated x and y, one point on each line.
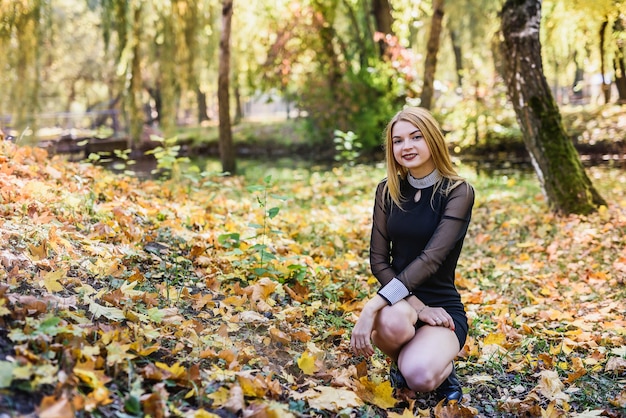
556	161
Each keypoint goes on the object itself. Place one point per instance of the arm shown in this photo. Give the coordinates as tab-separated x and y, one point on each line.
361	340
380	243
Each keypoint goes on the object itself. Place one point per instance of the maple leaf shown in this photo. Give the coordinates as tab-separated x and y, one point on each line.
114	314
454	409
307	363
51	280
379	394
550	386
615	364
328	398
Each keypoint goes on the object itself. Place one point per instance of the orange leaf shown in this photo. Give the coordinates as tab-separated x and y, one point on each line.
279	336
55	408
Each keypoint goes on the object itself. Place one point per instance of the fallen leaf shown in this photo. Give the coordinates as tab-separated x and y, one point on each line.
51	407
307	363
551	387
235	402
379	394
331	399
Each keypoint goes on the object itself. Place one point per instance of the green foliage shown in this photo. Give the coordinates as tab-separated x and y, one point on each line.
361	102
167	157
347	147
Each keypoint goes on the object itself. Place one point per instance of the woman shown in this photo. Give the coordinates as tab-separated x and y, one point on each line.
421	214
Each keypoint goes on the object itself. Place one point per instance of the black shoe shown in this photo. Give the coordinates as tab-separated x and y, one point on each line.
450	389
395	377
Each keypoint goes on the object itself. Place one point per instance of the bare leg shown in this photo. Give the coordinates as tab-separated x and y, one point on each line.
394	327
426	360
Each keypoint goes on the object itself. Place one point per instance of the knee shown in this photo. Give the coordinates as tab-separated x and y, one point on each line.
420	378
391	327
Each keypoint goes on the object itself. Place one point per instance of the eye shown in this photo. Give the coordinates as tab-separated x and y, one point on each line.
396	141
417	137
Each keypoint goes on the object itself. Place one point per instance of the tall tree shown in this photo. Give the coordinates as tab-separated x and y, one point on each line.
134	74
432	49
226	146
381	9
606	83
556	161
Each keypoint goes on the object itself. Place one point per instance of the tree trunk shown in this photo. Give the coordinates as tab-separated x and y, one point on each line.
556	161
238	105
432	48
458	59
168	77
226	146
203	112
381	9
618	61
136	118
606	84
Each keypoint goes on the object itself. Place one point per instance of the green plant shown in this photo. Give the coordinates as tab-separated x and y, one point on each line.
168	161
268	214
347	147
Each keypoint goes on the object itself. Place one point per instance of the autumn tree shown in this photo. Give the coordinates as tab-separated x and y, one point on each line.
554	157
226	146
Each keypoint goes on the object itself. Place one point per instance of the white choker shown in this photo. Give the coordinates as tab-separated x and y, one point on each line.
424	182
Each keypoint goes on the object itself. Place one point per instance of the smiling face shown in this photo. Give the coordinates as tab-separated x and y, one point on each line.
410	149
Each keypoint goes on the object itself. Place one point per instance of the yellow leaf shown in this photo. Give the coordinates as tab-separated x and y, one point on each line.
306	362
380	394
329	398
219	397
495	338
51	280
118	353
405	414
252	386
201	413
175	369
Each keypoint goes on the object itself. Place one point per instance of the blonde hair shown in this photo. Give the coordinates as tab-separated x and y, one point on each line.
423	120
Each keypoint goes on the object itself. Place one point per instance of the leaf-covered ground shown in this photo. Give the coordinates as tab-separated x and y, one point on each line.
235	296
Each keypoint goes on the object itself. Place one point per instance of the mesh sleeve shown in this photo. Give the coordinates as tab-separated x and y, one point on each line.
380	243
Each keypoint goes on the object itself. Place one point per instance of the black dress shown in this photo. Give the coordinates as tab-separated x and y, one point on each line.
420	244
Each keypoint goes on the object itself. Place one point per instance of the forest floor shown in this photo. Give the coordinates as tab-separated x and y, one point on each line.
207	296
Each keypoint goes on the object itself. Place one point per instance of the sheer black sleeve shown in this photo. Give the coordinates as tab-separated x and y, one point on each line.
380	243
451	229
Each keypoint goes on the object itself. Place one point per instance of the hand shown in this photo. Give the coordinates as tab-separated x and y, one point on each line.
361	340
437	317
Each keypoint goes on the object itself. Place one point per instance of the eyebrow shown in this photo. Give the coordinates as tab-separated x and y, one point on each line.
417	131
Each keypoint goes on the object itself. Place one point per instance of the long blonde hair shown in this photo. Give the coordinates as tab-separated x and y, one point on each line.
423	120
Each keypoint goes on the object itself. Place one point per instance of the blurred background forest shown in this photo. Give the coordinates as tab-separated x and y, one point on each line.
302	73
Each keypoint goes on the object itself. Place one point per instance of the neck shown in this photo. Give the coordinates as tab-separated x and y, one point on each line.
424	182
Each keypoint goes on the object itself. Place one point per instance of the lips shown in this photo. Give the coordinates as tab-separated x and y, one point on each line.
409	156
